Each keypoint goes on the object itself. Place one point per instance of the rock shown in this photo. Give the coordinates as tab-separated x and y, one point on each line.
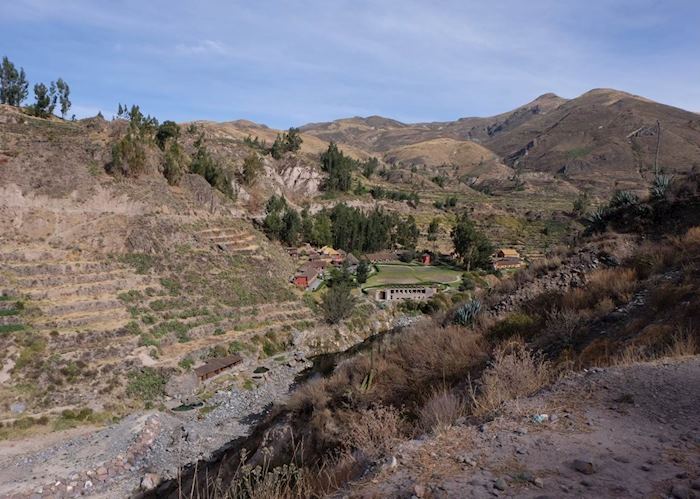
680	492
149	481
695	485
419	490
500	484
584	466
645	467
467	459
538	482
18	408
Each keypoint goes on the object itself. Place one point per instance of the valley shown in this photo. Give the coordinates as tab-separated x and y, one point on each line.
157	307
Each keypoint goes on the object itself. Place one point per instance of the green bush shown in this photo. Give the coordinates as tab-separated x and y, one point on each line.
146	384
516	324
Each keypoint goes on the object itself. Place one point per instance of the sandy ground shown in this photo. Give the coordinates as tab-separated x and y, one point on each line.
630	431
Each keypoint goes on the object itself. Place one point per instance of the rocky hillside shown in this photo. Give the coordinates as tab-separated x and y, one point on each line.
110	285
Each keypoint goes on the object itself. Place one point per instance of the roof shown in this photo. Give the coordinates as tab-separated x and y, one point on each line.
509	252
218	363
327	250
311	268
351	259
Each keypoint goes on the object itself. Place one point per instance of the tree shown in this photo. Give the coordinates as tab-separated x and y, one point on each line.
289	141
204	164
167	130
473	248
322	230
45	101
14	87
362	272
175	163
63	91
252	167
337	304
291	224
407	233
370	166
339	169
433	229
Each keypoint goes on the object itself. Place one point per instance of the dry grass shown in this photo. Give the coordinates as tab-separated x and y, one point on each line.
375	432
441	410
683	344
513	372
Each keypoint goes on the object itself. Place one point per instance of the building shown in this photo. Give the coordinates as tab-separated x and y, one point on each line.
400	293
507	258
507	253
308	273
216	366
352	262
332	255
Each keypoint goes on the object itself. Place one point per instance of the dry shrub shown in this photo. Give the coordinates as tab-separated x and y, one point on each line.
441	410
597	353
618	284
311	396
632	354
604	306
513	372
667	296
683	343
375	431
562	327
264	482
506	286
426	355
653	338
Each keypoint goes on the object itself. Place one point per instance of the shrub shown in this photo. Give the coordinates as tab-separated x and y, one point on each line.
515	324
513	372
375	431
441	410
337	304
146	384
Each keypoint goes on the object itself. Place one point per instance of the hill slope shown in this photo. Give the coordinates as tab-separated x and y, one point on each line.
604	139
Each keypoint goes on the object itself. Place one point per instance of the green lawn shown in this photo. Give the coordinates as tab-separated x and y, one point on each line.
412	274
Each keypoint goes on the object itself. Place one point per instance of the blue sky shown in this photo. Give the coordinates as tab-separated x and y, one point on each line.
286	63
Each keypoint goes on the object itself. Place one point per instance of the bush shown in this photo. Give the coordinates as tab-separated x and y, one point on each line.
337	304
375	431
515	324
146	384
513	372
441	410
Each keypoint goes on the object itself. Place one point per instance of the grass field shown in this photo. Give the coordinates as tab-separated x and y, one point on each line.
412	274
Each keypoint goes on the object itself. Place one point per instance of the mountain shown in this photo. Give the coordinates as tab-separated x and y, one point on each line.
602	140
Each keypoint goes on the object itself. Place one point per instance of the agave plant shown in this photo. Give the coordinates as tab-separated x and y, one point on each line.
467	313
659	186
623	198
598	220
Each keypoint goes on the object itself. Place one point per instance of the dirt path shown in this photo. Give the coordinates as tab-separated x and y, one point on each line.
618	432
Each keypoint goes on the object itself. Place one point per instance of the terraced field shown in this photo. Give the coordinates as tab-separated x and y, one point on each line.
412	274
74	326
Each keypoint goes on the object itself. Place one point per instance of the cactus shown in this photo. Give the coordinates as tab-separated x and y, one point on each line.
467	313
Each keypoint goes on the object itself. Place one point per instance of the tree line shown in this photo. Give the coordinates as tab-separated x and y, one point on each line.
342	227
14	90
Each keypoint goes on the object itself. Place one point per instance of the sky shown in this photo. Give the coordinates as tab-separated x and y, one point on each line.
286	63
